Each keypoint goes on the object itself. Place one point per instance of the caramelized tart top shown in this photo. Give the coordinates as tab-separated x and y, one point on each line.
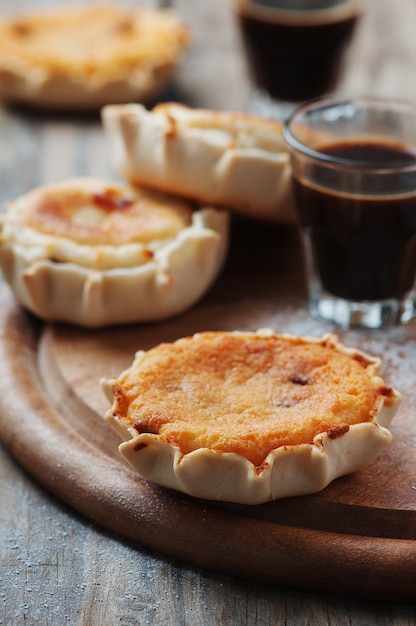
248	393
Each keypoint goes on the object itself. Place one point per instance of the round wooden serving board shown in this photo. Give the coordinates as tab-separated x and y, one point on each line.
357	537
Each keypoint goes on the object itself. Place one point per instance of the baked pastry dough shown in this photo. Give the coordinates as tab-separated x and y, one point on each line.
249	417
83	57
225	158
95	253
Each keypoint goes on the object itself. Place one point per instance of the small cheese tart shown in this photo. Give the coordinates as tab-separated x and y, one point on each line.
82	57
228	158
250	417
95	253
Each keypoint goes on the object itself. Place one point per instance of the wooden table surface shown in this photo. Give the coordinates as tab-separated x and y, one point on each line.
56	567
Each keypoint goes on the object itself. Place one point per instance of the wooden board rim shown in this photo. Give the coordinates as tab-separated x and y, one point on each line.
195	532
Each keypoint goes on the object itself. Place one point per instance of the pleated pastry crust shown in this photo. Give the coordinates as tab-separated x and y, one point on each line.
222	157
83	57
250	417
97	253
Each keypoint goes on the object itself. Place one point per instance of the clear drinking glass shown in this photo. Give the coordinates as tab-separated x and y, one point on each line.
295	49
354	174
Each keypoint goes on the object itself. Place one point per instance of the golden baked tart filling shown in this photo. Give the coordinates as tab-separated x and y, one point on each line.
81	212
94	252
250	416
87	56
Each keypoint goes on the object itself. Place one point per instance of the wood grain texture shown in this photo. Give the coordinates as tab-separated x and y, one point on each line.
56	566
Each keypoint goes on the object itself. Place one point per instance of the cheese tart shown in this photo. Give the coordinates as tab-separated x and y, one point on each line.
95	253
227	158
250	417
86	56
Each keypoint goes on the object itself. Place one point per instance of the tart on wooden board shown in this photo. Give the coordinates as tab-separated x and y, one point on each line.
250	417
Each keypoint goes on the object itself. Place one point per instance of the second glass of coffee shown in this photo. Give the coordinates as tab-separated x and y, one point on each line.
295	49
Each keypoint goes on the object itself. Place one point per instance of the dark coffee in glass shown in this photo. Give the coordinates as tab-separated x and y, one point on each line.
295	49
354	174
344	228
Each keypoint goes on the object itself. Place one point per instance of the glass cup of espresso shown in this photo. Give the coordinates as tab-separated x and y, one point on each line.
295	49
354	176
